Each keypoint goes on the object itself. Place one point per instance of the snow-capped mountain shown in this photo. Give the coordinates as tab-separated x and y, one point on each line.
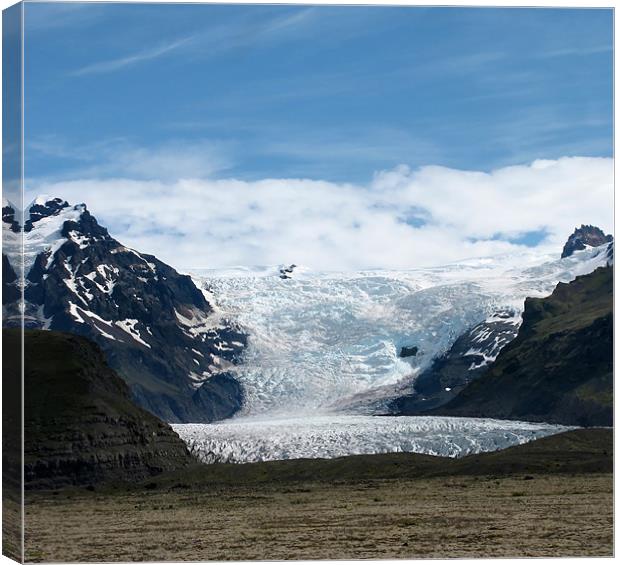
324	342
559	368
157	329
273	340
583	237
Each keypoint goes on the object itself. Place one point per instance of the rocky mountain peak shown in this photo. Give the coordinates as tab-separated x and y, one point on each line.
585	236
8	216
42	207
155	326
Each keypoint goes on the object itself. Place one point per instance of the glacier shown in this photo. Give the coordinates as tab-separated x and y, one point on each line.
323	354
320	341
246	439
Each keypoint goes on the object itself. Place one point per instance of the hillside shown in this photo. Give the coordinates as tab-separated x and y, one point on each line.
559	368
79	423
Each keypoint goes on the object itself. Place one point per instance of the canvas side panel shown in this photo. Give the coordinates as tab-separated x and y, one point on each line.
12	277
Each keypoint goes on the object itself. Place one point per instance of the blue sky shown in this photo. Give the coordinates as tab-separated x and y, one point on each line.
161	93
321	92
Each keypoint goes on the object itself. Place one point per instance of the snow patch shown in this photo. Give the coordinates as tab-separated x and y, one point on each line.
129	326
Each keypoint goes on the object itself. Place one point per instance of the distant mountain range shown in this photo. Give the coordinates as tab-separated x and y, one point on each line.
158	331
179	353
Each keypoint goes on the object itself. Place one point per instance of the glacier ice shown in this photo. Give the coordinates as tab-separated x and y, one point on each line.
245	440
319	339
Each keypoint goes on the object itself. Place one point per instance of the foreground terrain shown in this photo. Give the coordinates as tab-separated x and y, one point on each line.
80	425
552	497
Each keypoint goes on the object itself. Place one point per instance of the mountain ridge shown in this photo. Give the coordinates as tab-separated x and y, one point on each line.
559	368
585	236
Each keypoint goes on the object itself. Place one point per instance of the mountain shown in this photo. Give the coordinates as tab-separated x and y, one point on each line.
473	352
11	245
157	330
559	368
585	236
80	426
467	359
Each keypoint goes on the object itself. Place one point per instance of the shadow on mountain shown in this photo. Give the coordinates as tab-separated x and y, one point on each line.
80	425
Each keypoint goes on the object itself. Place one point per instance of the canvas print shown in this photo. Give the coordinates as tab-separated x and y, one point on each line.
287	282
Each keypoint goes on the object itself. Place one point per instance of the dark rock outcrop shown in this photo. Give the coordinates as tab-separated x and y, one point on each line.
559	368
8	217
585	236
80	426
408	351
287	272
10	289
465	361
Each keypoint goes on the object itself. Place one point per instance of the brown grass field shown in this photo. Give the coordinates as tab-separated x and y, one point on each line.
552	497
435	517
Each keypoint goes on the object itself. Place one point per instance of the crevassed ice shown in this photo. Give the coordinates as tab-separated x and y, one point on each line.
320	338
246	440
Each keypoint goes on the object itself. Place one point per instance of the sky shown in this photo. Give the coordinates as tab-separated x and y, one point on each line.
337	137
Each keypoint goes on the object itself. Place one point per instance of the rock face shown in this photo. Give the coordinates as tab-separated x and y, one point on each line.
155	327
590	236
287	272
467	359
559	368
408	351
11	290
8	216
80	426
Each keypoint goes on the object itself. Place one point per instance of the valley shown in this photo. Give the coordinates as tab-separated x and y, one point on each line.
299	402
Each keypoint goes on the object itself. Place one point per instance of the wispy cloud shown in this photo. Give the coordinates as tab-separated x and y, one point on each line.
466	63
576	51
356	145
119	157
206	43
43	16
134	59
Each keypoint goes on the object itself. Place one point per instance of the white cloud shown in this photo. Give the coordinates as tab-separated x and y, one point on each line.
120	158
213	223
